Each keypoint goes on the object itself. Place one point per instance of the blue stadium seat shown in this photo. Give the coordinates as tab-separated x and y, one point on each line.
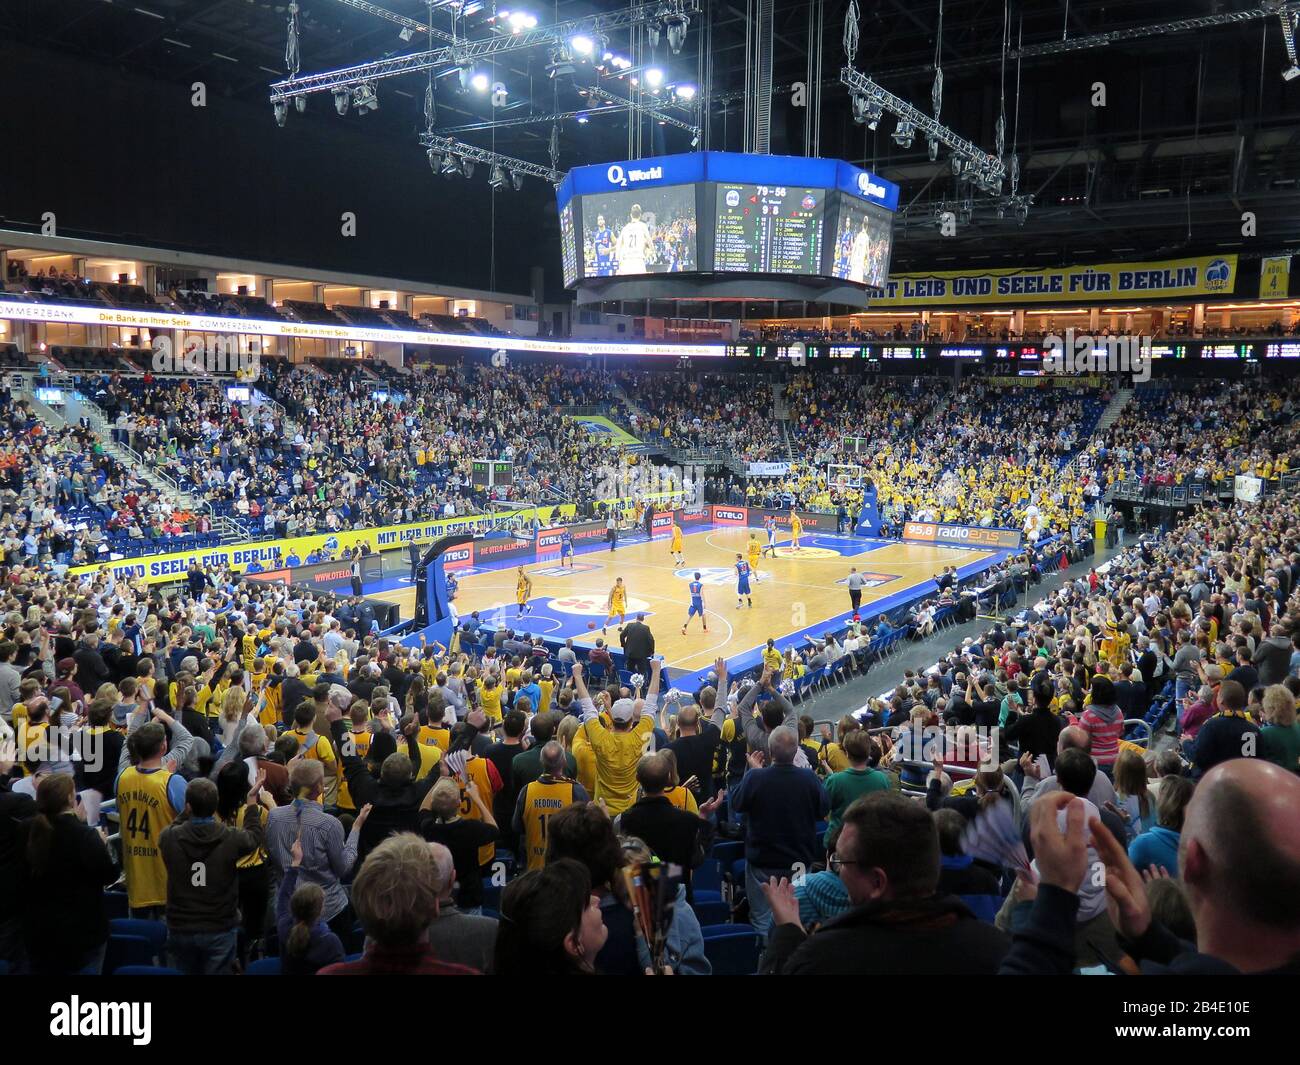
732	949
116	905
146	970
711	912
154	931
264	967
128	950
985	907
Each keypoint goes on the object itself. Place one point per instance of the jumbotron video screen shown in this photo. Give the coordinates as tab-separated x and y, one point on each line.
718	215
647	231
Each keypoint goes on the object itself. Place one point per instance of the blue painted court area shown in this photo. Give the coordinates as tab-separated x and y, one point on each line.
579	615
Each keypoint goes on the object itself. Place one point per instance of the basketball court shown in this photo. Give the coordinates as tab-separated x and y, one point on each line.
795	595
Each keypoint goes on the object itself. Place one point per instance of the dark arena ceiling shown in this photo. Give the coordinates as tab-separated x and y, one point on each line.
1199	125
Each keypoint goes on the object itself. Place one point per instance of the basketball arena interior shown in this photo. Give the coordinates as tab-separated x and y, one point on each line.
680	487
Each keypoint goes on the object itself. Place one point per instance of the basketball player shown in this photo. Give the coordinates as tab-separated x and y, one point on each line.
523	591
769	523
566	548
796	530
616	606
844	249
603	239
697	604
676	548
742	581
859	253
633	244
754	551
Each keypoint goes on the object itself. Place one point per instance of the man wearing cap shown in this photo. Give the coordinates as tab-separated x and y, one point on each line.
619	745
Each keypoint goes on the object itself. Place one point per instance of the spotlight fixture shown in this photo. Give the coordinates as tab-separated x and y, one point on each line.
281	108
300	102
450	164
875	112
675	27
582	45
433	160
958	165
341	100
561	64
517	180
480	82
654	77
583	119
465	72
684	92
933	148
903	133
652	31
467	167
498	180
364	98
406	33
695	139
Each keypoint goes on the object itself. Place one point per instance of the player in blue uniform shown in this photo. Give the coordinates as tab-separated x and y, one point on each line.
604	243
566	547
769	523
844	250
742	581
697	604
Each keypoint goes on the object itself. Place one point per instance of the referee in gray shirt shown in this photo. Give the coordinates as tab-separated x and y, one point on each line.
856	584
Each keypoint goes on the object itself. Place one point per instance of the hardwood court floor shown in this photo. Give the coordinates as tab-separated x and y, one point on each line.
793	594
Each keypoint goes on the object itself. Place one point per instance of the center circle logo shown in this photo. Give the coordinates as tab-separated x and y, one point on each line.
594	604
806	552
733	198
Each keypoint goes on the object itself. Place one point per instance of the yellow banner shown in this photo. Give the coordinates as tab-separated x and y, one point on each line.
1275	277
157	569
1109	282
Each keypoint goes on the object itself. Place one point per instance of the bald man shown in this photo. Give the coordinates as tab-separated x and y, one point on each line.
1101	792
1239	853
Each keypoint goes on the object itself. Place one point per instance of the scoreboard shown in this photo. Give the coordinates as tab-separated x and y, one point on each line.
681	223
769	229
490	473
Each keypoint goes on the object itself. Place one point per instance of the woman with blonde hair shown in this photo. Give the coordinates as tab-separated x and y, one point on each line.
576	744
1134	804
1280	740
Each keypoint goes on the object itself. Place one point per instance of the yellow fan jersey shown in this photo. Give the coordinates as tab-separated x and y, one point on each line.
544	797
477	770
144	809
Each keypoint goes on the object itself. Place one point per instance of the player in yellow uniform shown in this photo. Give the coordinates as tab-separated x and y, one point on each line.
617	605
523	591
755	549
149	798
676	549
796	531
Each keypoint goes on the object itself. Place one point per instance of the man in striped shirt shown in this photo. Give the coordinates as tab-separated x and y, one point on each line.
327	857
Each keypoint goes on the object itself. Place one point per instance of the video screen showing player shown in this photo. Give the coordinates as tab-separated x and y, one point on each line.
863	243
646	231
